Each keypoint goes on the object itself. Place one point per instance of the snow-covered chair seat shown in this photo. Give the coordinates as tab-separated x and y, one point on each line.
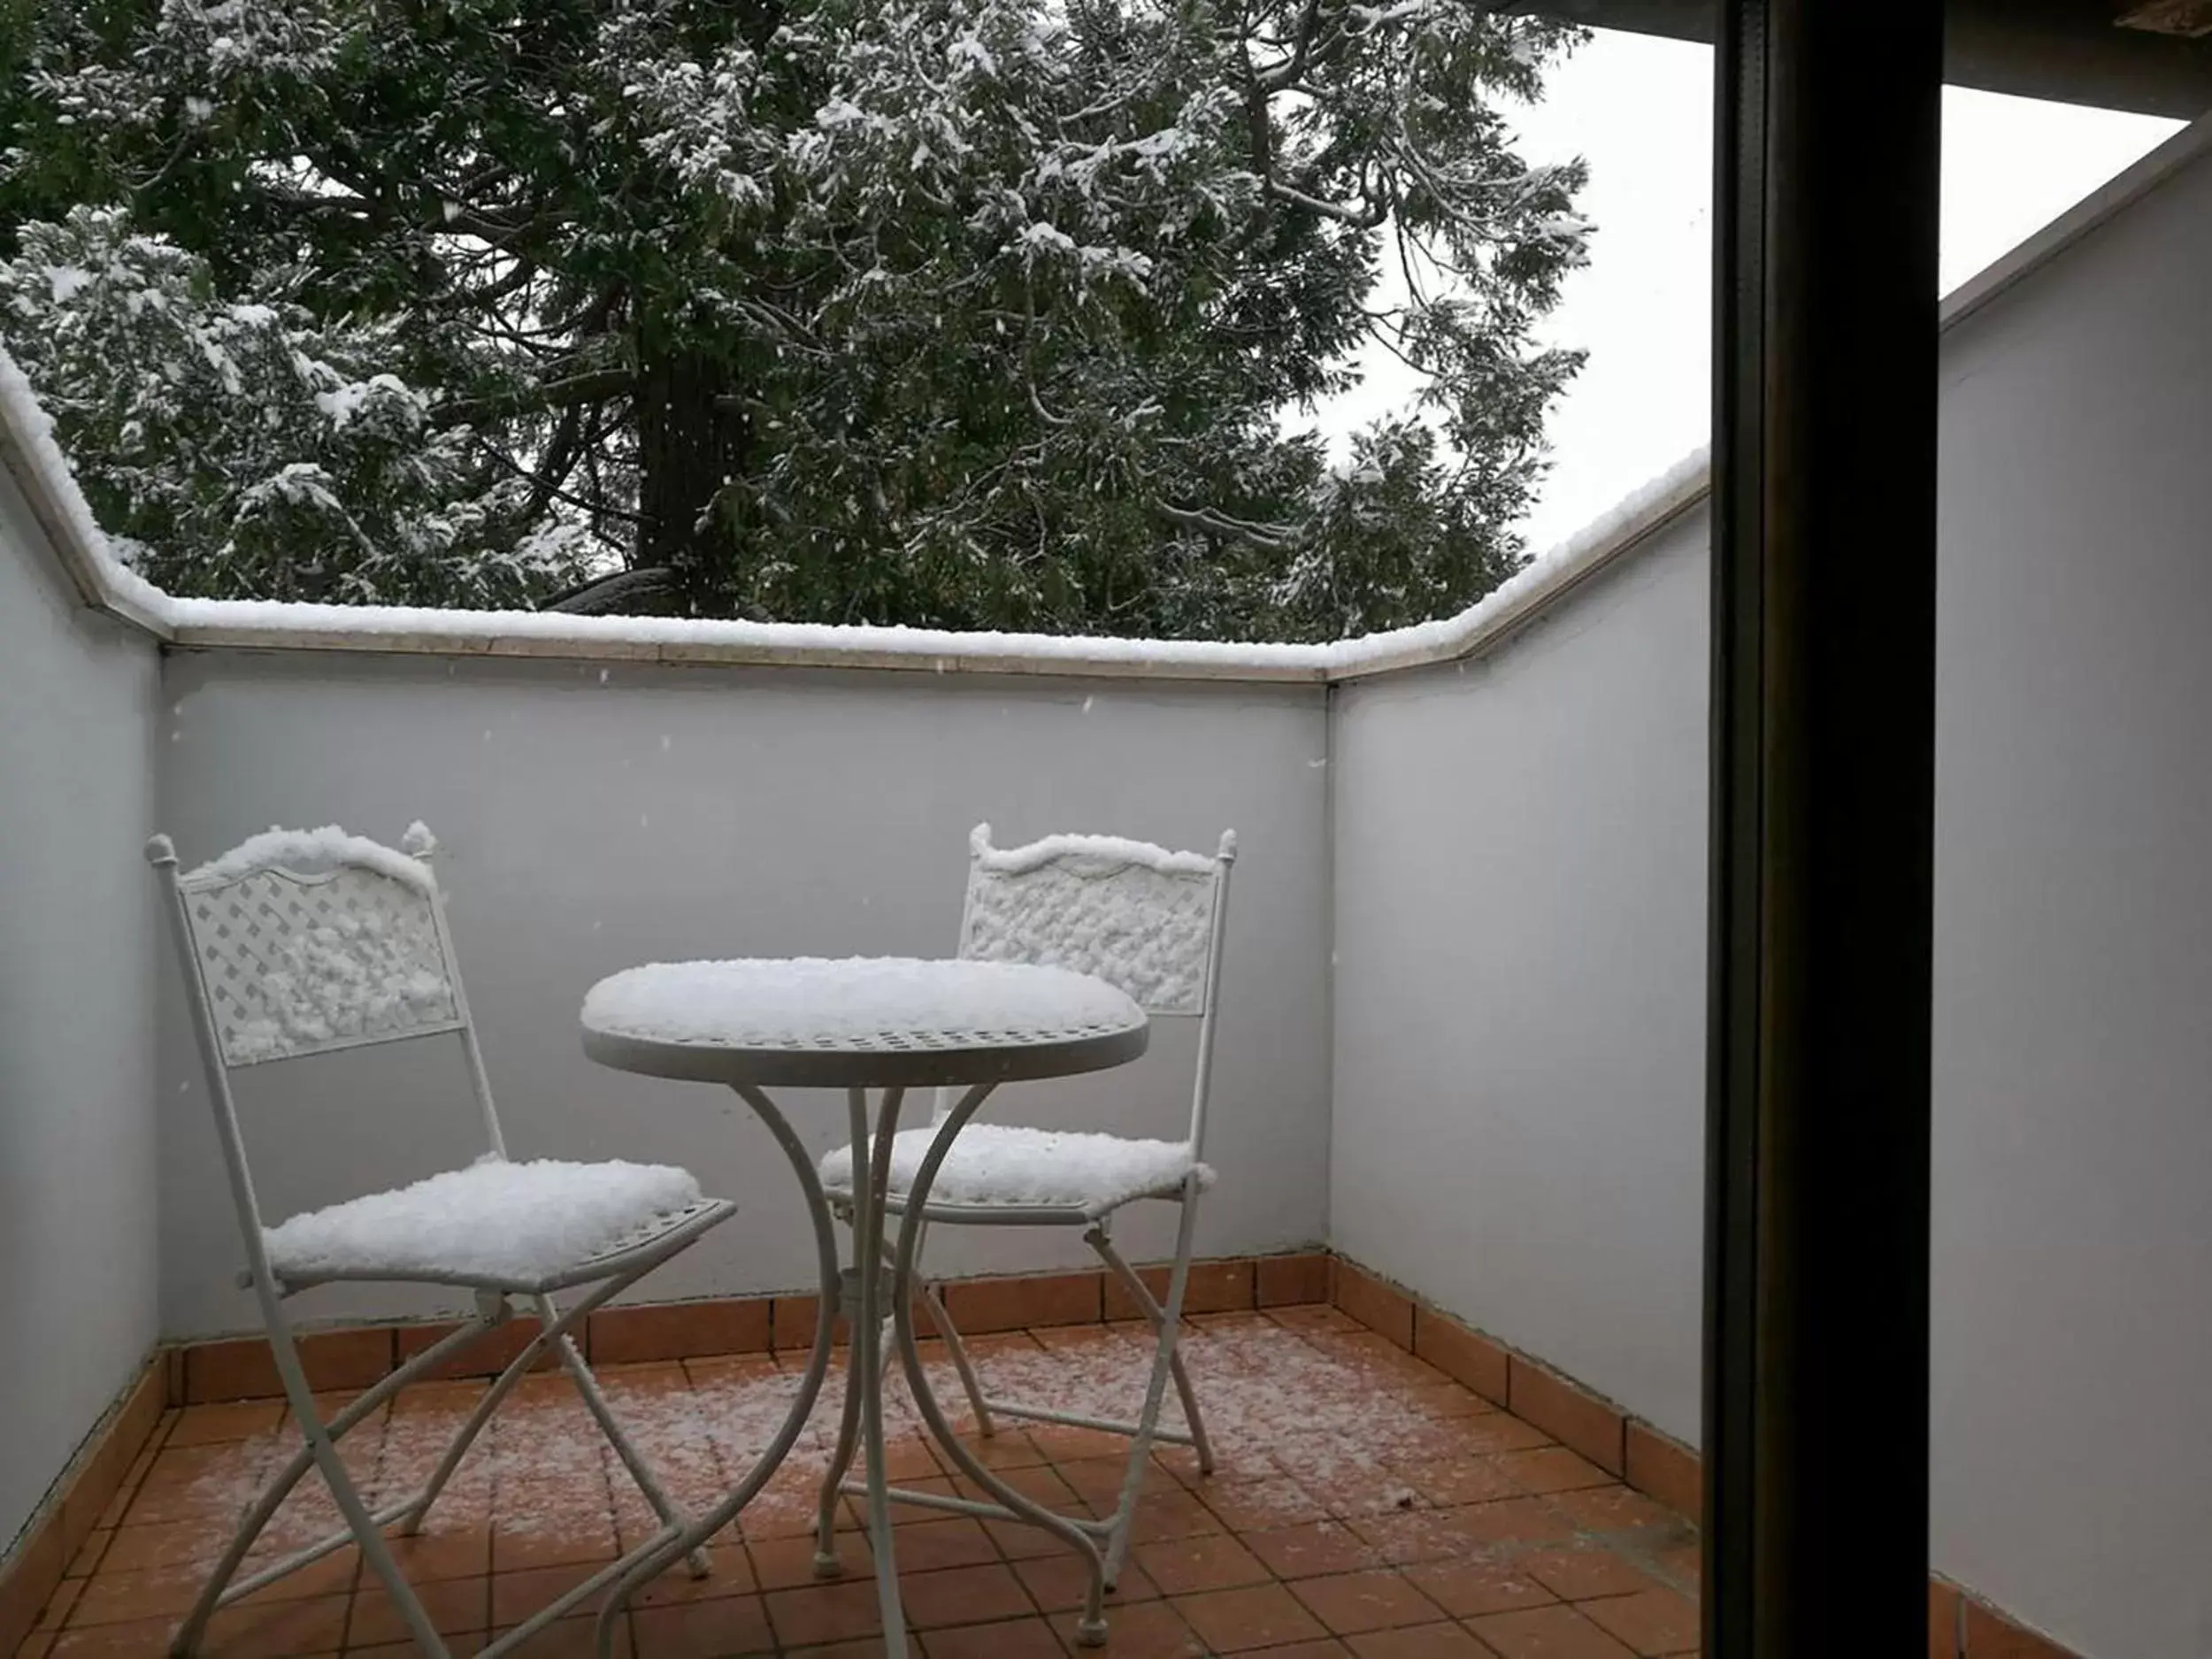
1009	1166
518	1226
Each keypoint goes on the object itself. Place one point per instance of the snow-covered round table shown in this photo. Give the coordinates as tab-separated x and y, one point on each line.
858	1023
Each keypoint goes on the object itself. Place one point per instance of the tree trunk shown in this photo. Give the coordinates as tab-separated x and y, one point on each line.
689	445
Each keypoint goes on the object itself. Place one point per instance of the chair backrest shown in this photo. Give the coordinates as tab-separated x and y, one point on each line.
1137	916
299	942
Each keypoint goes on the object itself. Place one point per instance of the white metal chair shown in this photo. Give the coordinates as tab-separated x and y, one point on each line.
1150	921
301	942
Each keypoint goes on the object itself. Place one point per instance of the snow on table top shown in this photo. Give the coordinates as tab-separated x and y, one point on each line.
857	1003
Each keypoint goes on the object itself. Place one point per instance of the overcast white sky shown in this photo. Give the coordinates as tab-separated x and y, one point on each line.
1639	110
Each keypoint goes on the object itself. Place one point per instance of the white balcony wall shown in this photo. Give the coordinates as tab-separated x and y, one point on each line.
1520	903
592	819
78	943
2073	945
1520	984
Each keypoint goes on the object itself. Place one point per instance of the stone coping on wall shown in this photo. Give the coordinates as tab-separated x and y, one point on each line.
248	624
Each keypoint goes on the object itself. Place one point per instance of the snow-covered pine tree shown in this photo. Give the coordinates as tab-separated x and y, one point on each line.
250	449
971	313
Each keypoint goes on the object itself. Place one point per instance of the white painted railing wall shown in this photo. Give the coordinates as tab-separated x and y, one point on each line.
1520	993
78	1250
1521	874
595	816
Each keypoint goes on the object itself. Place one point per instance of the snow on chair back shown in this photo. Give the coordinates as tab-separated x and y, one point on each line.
1139	917
313	940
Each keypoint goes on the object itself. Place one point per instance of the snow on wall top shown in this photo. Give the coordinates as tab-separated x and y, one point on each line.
918	647
27	440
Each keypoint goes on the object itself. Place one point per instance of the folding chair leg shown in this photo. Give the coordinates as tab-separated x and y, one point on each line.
1193	1418
492	1306
323	1449
487	1403
217	1590
986	1424
640	1471
374	1550
933	1303
1200	1443
1166	1363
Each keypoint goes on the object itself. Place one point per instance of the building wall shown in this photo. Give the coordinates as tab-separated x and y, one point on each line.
595	818
1520	933
2073	945
1520	982
77	960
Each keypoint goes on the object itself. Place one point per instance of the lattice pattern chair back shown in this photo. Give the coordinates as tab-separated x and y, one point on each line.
1139	918
297	961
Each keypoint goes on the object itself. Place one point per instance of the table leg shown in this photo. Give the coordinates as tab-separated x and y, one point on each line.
865	1325
1090	1628
825	1562
801	1407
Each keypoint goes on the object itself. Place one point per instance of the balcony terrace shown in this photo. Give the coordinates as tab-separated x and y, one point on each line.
1450	1320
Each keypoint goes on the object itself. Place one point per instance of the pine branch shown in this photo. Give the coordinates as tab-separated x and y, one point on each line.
1285	73
1365	217
1215	523
596	386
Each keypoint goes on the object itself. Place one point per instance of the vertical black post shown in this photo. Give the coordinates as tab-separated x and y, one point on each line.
1824	677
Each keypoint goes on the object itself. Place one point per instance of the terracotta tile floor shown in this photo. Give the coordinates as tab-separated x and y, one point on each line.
1365	1505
